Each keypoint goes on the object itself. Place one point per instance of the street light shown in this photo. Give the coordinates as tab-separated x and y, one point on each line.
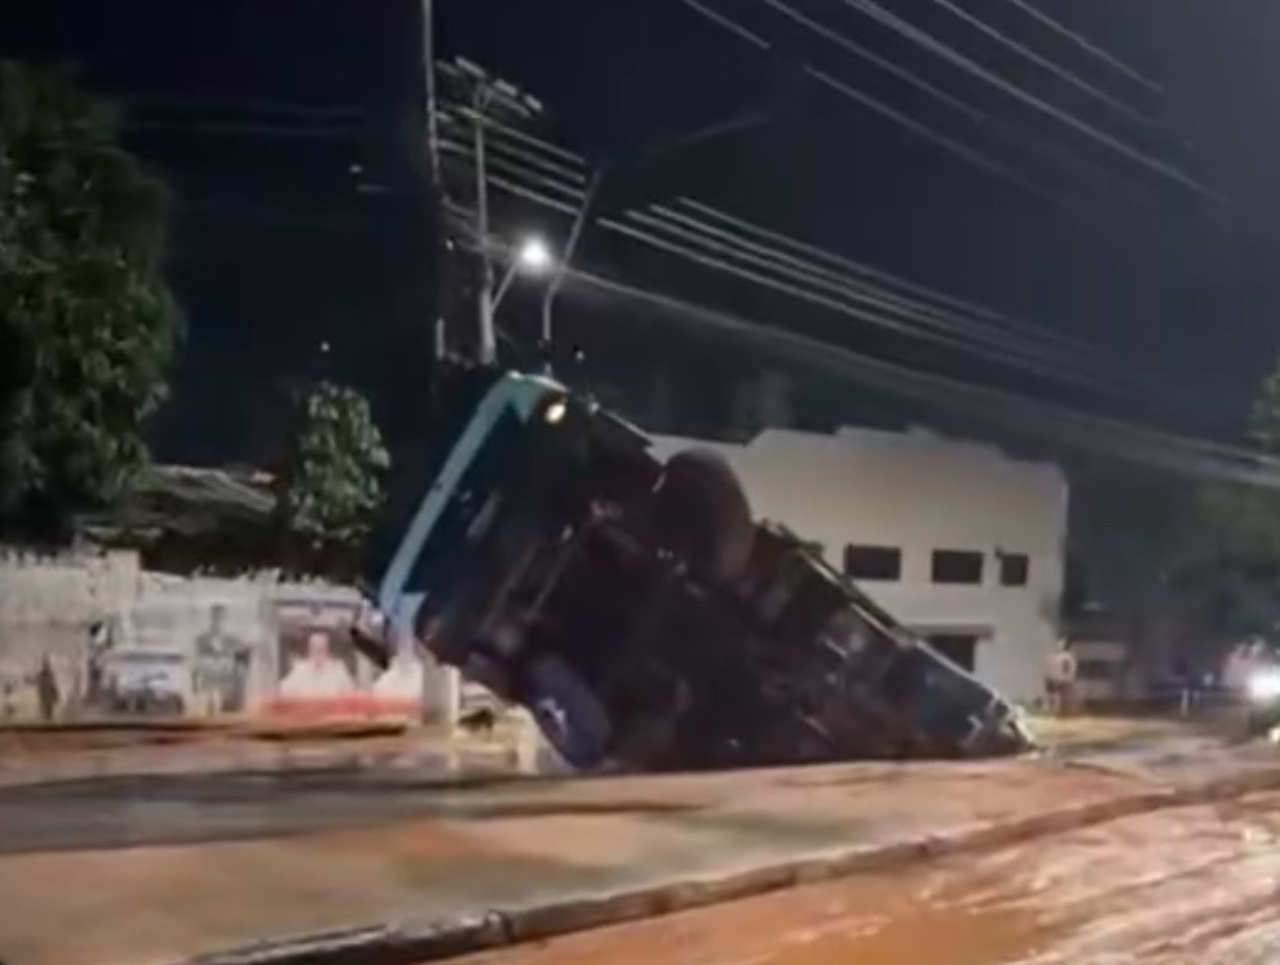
533	257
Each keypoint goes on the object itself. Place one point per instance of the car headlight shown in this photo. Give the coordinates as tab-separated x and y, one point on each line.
1265	685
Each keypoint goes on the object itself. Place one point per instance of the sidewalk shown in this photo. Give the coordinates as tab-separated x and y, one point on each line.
39	755
537	858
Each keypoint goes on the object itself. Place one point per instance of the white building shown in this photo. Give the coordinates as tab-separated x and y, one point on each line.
959	541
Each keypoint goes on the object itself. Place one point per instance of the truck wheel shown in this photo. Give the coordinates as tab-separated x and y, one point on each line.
703	514
567	712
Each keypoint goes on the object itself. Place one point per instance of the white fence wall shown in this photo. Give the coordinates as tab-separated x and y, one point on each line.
92	634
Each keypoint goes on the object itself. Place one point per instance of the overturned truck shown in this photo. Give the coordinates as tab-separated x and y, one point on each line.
639	612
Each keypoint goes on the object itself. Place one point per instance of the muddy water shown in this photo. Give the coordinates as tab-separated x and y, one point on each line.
1197	886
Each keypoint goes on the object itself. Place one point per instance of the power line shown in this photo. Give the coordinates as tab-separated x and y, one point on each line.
570	171
1084	44
1018	336
906	76
1044	353
512	168
729	25
860	268
944	141
536	144
1129	441
1047	354
951	145
951	55
248	129
1057	370
886	311
136	101
1028	54
984	161
851	281
493	124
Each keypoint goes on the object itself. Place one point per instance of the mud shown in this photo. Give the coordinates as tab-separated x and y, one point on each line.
1196	885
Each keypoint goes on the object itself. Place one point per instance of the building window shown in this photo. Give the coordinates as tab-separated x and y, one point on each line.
873	562
957	566
1014	568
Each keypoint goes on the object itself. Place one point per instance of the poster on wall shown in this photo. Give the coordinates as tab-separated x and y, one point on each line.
40	672
162	657
225	653
177	657
321	673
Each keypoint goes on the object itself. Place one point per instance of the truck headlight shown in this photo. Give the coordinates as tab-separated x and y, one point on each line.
1264	686
555	412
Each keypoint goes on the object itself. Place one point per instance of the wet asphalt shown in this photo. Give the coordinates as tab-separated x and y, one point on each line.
135	811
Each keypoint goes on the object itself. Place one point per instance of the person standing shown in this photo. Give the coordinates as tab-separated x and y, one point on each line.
1060	680
222	666
47	689
101	642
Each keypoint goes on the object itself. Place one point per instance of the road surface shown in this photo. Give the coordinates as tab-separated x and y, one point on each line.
134	811
1194	886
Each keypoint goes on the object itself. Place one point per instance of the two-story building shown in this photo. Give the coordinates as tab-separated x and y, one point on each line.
962	543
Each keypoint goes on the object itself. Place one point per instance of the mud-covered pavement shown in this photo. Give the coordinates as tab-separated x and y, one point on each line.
124	868
1194	885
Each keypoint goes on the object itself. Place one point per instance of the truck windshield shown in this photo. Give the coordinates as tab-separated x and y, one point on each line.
432	516
416	462
484	478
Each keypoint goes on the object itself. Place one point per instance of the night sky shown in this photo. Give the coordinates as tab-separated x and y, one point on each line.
289	133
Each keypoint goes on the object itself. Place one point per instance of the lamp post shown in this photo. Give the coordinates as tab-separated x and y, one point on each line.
546	332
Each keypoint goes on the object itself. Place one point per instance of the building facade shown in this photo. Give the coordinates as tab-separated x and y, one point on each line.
962	543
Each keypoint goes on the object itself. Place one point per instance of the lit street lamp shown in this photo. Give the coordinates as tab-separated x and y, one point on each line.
532	258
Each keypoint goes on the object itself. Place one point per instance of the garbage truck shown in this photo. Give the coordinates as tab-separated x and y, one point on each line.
638	611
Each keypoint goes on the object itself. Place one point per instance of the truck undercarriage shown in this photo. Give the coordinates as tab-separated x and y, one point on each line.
647	621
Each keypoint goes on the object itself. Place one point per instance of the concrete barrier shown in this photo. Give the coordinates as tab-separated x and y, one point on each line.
469	934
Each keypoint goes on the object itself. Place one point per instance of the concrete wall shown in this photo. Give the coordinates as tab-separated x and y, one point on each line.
201	646
920	493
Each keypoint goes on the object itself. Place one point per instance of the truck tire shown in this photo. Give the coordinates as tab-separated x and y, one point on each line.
567	712
703	515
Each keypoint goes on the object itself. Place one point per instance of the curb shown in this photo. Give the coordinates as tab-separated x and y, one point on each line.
485	931
271	757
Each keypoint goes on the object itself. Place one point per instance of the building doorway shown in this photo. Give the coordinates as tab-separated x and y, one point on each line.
960	648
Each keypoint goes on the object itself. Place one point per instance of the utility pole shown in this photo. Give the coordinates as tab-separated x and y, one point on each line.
488	95
440	248
488	345
429	89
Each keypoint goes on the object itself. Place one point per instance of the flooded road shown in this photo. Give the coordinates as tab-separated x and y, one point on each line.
1195	885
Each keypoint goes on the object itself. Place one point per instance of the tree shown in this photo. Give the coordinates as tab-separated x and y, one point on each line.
331	485
87	325
1184	566
1132	533
1235	583
1264	418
